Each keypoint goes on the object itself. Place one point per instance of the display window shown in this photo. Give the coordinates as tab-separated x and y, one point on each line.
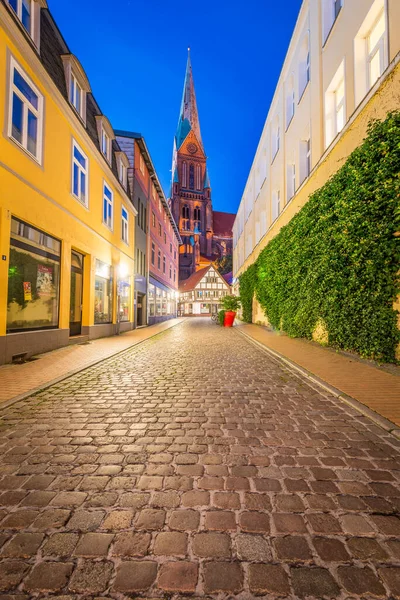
103	296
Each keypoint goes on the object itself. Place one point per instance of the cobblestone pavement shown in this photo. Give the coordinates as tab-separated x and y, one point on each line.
195	464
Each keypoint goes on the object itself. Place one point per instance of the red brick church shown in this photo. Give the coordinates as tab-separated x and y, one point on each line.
206	234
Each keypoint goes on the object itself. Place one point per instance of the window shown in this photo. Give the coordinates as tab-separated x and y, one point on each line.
165	238
184	174
107	206
33	278
105	144
276	204
197	221
103	294
174	275
305	159
164	263
25	124
153	254
185	217
23	10
153	218
335	109
191	177
75	94
291	181
159	229
159	260
304	65
330	12
80	167
125	225
289	101
275	138
170	271
376	50
141	164
198	177
170	248
123	173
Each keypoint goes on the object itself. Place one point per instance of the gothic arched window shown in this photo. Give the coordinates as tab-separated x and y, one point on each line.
191	177
198	177
197	219
184	174
185	217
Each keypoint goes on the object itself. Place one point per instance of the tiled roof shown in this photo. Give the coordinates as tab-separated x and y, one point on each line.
190	283
223	223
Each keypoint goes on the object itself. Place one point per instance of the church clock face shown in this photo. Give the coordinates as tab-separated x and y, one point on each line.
192	148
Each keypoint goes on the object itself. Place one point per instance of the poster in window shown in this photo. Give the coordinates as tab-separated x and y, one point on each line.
27	291
44	281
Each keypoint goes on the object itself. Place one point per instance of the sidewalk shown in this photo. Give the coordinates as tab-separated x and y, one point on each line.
371	386
18	380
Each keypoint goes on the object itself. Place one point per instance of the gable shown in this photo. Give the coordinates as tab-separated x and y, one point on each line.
188	145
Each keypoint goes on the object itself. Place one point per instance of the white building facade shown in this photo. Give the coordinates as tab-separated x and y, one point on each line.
340	53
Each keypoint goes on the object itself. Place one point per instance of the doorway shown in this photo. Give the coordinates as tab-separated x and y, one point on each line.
75	312
139	310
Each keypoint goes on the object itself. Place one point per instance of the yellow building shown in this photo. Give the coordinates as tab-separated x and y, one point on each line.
66	219
341	70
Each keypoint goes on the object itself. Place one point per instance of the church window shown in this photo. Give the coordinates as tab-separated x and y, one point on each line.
185	217
198	177
191	177
184	174
197	217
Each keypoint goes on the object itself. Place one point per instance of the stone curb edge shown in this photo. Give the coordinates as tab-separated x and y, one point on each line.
382	422
48	384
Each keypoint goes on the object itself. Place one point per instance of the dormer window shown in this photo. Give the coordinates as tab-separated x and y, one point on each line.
77	84
123	165
28	13
106	135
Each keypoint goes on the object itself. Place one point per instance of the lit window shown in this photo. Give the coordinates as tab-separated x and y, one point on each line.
107	206
23	10
79	174
153	218
376	50
330	12
26	112
159	230
125	225
75	94
141	164
335	106
165	238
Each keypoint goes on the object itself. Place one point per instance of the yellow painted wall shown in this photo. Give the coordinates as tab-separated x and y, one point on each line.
41	194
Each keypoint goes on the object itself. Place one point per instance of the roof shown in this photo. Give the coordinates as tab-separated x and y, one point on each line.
153	174
206	180
228	277
188	114
223	223
190	283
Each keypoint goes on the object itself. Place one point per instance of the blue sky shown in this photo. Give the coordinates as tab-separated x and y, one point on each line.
134	53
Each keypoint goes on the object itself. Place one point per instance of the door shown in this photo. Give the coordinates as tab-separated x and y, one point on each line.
139	310
75	313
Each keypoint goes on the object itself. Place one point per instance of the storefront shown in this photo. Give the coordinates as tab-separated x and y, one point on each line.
162	304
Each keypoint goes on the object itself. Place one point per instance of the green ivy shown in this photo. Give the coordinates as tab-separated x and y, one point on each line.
338	258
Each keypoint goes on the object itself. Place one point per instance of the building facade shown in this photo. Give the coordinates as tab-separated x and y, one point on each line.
190	198
67	224
341	70
158	242
201	293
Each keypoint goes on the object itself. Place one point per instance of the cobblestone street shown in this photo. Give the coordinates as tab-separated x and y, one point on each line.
195	465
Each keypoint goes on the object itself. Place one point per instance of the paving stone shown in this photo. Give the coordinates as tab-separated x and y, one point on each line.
51	519
60	544
48	577
39	498
135	576
315	582
91	577
220	520
11	573
184	520
324	523
229	500
118	519
69	499
222	577
330	549
94	545
178	577
257	501
170	499
356	525
292	548
360	581
104	499
211	545
23	545
289	523
391	576
252	548
268	579
366	549
85	520
150	518
289	502
254	522
195	498
131	544
386	525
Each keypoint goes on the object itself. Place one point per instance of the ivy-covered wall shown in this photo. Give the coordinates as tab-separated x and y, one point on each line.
337	261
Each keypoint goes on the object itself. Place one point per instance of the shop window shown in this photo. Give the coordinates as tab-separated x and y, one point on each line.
25	123
151	300
33	279
124	291
103	285
158	302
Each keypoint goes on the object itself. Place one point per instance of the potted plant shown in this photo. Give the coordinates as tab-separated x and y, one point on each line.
230	305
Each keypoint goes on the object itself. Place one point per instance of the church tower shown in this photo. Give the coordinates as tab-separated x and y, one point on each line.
190	197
